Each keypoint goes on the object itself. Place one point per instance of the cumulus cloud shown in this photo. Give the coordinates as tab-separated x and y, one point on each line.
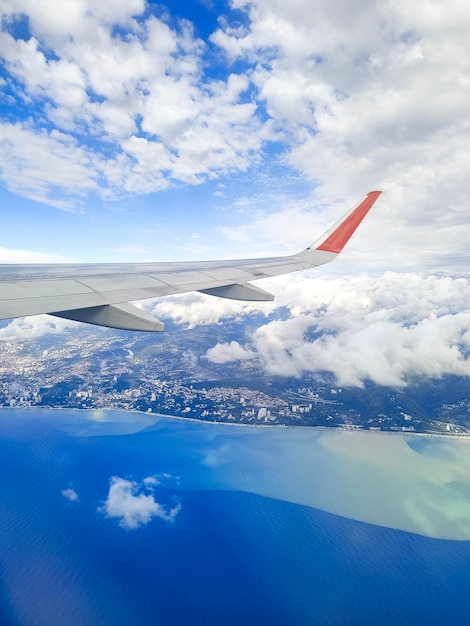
389	329
68	169
35	326
227	352
356	75
70	494
134	504
368	95
195	309
123	103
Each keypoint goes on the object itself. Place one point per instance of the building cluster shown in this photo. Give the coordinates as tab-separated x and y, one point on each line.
108	374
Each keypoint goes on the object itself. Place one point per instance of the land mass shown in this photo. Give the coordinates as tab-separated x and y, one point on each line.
169	374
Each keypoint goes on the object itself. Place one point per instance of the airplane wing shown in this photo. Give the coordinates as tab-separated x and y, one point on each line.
100	293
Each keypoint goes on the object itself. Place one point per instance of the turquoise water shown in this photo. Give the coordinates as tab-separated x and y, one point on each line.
108	518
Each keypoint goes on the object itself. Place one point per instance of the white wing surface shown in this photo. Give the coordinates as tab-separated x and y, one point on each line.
99	293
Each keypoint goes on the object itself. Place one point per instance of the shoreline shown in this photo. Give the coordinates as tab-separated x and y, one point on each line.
345	428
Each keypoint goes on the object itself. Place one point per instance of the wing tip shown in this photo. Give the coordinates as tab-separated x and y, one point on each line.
343	230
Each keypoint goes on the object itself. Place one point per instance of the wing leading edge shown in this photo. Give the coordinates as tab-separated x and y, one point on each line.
100	293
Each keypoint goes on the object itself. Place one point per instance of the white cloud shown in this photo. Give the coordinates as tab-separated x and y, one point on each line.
388	329
369	95
227	352
35	326
37	164
70	494
196	309
133	111
134	505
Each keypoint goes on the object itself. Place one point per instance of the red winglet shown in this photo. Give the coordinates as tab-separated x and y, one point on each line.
341	235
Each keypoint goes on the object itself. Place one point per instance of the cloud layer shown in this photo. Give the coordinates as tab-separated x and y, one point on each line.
389	329
369	95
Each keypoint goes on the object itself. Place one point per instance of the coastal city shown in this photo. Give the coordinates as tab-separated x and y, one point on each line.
95	369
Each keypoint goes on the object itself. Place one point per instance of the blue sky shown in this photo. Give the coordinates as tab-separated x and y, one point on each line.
60	200
135	130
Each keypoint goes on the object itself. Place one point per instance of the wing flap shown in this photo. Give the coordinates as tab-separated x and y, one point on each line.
121	316
240	292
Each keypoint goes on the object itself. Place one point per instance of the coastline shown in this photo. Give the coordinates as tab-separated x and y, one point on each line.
346	428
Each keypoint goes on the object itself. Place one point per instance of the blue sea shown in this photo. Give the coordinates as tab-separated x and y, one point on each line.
112	518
